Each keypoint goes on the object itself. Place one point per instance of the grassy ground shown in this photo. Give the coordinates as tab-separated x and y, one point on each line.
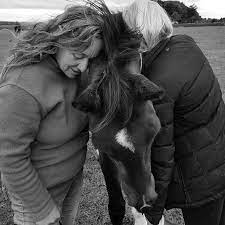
93	207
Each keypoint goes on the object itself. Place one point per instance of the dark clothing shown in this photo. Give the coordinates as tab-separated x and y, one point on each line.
193	120
213	213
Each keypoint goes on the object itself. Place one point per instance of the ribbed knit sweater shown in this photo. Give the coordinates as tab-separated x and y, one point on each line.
42	138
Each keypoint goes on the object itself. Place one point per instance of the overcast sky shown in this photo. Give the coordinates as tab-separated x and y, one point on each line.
36	10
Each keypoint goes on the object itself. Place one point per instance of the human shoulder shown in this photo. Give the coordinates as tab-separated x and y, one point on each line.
182	37
41	74
43	81
33	75
176	65
182	40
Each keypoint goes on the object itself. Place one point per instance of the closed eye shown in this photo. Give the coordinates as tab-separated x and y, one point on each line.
79	55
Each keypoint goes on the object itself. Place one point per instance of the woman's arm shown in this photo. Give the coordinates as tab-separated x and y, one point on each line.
19	123
162	156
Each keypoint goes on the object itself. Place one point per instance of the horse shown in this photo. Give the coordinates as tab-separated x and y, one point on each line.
118	101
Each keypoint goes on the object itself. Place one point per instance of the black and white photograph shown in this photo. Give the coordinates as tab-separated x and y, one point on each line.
112	112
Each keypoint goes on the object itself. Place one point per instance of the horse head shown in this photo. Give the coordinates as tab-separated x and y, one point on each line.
122	119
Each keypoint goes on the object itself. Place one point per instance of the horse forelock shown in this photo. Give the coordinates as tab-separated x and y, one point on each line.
117	99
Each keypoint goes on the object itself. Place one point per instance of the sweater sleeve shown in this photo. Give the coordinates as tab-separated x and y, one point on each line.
162	157
19	123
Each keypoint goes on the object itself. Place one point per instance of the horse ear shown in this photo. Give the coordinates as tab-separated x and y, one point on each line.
145	89
87	101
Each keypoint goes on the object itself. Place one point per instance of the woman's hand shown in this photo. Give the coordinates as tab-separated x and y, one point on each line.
164	221
52	218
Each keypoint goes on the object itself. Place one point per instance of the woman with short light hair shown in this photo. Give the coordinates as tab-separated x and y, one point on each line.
151	19
188	155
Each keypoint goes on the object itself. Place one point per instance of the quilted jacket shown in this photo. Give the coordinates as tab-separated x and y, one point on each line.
188	155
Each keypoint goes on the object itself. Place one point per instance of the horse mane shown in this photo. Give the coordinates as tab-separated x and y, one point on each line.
121	45
116	90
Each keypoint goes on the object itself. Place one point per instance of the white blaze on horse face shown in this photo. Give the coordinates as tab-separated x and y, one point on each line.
123	138
139	218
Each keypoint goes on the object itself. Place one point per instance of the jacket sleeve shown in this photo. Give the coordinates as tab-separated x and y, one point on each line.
162	156
19	123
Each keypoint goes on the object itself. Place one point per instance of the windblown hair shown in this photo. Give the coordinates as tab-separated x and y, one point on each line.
74	29
112	86
151	19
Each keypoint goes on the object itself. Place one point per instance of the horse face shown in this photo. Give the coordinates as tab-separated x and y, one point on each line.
130	149
128	146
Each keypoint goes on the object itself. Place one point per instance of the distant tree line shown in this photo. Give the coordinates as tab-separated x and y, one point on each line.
180	13
8	23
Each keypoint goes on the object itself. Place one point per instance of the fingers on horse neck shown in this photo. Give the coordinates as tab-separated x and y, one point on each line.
139	218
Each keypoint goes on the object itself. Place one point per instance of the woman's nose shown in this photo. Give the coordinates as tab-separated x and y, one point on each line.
83	65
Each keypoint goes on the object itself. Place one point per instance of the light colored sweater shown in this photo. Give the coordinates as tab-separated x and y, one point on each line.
42	138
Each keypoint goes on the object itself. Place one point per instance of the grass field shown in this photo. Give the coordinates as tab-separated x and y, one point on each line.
93	207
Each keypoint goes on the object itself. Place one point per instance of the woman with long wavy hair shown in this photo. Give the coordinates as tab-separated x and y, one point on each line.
42	137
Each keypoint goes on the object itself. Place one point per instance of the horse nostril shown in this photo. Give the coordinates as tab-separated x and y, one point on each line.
74	104
144	208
